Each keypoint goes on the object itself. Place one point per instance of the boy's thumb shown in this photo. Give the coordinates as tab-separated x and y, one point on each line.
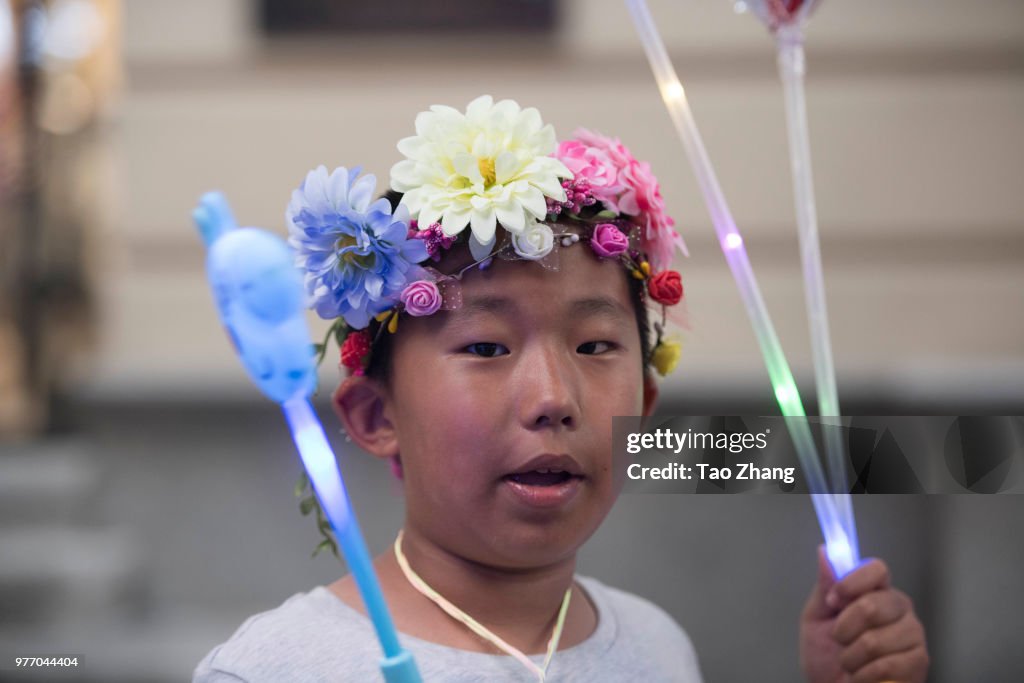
817	604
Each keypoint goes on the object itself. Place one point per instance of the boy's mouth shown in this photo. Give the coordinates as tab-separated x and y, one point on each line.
541	477
549	470
548	481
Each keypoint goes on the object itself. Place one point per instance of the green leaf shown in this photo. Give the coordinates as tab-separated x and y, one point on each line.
324	545
607	213
306	506
340	330
301	484
321	349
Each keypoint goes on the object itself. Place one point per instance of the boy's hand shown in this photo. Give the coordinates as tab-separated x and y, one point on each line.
860	629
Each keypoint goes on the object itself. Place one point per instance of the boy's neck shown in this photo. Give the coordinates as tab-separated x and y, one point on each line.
520	606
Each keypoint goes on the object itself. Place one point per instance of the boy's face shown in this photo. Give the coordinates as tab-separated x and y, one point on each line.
525	376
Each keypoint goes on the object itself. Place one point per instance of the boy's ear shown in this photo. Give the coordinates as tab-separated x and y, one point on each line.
650	393
362	405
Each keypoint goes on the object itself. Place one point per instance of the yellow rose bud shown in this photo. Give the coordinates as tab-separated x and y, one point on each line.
381	317
637	274
393	323
665	356
646	267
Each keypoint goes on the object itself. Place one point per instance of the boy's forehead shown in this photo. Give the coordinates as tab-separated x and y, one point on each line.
580	286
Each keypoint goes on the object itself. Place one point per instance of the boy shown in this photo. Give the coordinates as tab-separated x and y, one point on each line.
494	402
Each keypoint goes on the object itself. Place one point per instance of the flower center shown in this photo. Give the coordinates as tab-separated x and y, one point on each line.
486	167
365	261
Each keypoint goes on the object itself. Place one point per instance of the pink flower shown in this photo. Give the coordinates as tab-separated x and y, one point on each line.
608	241
634	192
611	147
421	298
658	236
593	165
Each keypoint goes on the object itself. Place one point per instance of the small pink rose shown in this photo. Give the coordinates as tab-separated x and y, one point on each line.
608	241
421	298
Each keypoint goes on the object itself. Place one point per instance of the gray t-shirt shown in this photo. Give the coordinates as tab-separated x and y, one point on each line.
315	637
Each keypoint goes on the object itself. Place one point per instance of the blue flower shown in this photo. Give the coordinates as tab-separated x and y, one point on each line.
355	254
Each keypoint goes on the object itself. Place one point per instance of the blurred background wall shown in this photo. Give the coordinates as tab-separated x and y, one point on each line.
145	487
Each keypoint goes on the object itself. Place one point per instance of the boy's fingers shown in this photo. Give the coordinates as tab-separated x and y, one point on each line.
872	575
906	667
877	608
879	643
815	608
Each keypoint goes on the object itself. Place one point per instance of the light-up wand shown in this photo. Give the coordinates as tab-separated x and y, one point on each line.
259	297
786	21
840	538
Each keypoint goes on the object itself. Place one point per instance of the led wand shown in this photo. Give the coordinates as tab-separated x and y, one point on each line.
839	546
259	297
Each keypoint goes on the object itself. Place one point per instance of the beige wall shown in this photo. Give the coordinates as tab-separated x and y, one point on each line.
917	137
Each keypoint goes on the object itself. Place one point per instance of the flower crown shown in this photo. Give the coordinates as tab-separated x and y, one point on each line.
464	175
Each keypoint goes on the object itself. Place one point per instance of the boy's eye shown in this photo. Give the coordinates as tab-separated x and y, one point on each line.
594	347
487	349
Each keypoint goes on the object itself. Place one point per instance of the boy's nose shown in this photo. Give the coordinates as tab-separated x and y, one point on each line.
548	397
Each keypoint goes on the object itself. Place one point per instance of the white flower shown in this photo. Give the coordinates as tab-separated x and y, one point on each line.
487	166
535	242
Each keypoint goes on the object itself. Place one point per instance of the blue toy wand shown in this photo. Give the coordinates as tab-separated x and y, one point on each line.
259	298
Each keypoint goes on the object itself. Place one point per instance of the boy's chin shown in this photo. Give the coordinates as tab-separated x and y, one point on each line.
525	546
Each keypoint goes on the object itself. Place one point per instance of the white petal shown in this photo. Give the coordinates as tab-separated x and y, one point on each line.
529	123
553	166
428	215
482	147
424	122
511	217
467	166
550	186
411	146
404	176
446	112
479	108
480	250
484	224
544	141
450	150
507	110
533	201
455	219
413	200
505	166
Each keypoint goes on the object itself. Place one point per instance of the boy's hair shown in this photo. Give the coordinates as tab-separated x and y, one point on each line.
379	366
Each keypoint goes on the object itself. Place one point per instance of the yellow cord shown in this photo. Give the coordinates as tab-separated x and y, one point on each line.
478	628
